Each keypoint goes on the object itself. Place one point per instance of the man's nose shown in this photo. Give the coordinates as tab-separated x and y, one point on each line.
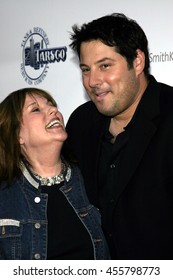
94	79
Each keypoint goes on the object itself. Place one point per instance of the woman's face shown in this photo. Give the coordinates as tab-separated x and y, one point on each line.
42	124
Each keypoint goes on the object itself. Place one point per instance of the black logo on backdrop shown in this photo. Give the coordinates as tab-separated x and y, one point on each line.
37	56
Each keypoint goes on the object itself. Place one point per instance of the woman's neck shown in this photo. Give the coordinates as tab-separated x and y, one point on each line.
47	169
45	165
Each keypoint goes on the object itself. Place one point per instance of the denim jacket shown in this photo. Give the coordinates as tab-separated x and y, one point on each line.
23	217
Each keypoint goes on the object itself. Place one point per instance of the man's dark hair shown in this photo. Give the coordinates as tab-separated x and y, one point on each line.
115	30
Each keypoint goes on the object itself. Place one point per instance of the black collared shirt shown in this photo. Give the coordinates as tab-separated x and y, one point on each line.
109	166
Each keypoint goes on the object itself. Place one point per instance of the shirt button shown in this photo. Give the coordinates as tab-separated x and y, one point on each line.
37	225
112	165
37	256
37	199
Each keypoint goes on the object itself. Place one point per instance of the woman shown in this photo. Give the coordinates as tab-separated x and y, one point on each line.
44	210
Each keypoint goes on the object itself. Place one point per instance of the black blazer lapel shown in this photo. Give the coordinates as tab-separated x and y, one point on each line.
133	153
142	130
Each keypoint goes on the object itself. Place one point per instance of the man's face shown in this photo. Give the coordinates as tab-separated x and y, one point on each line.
109	82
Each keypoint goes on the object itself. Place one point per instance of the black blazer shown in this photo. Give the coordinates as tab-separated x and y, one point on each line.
143	202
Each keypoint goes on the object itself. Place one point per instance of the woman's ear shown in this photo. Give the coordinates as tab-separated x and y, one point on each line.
21	141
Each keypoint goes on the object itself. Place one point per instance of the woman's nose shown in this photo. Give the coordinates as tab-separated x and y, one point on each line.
53	110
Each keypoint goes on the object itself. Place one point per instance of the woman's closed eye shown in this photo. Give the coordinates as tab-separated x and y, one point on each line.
35	109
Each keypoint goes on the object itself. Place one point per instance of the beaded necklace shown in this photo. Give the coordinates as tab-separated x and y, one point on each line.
57	179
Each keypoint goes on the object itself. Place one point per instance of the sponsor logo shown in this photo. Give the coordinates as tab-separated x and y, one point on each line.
166	56
37	56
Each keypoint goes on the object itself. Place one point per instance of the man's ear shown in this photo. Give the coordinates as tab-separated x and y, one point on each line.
139	62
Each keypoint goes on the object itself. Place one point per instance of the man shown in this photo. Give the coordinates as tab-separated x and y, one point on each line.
123	138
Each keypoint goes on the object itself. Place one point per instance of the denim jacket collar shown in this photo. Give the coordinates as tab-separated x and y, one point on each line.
34	181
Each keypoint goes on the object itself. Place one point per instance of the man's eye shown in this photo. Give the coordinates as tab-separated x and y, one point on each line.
105	66
85	70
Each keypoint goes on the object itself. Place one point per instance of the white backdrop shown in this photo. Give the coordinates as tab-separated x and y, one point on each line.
55	18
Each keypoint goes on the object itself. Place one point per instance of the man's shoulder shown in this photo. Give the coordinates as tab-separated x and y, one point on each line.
85	111
89	105
166	95
165	88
